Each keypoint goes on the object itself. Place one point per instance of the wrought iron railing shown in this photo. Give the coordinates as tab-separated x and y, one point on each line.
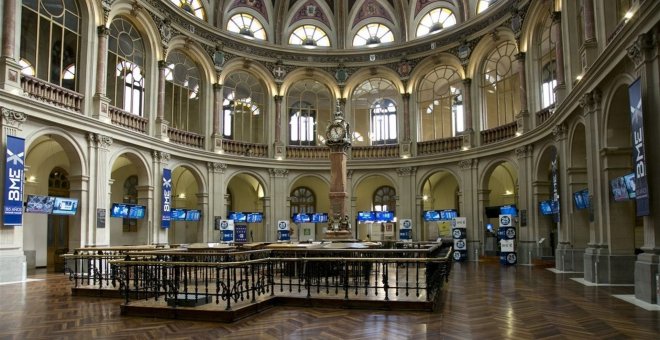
125	119
51	93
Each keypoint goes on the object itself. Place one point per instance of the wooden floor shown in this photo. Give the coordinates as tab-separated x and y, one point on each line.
482	301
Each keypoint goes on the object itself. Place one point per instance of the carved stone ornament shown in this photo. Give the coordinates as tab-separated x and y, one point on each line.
467	164
12	118
278	172
164	156
524	151
217	167
406	171
638	51
559	132
103	141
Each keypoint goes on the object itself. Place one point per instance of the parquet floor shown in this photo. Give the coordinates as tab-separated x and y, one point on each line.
482	301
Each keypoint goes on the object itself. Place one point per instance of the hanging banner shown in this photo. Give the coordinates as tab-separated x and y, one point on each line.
167	198
14	167
639	155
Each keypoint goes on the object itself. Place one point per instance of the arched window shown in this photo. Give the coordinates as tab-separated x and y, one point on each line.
440	104
130	196
247	26
309	111
373	34
500	87
182	89
303	200
50	41
309	36
384	199
547	64
192	7
374	112
483	5
125	67
435	20
243	108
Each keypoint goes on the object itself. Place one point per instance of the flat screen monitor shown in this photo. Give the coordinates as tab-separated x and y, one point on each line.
238	217
254	217
301	218
619	190
39	204
629	179
136	211
119	210
493	212
366	216
320	218
509	209
448	214
431	215
384	216
546	207
65	206
178	214
193	215
581	199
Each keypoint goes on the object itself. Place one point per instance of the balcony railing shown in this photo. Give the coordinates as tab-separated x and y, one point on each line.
185	137
439	145
125	119
244	149
307	152
378	151
499	133
51	93
544	114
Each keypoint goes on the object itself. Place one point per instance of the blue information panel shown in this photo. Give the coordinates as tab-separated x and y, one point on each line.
14	168
241	232
167	198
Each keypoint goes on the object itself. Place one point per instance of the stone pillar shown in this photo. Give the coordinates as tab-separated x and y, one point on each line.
483	199
10	70
101	102
161	124
218	114
522	118
560	89
644	54
100	198
527	241
469	207
12	258
160	160
588	50
405	144
203	231
218	200
146	225
468	133
278	184
406	181
565	225
278	145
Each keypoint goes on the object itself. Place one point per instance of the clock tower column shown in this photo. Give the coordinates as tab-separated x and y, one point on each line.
338	139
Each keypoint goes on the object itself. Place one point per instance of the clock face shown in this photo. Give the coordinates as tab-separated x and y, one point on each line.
336	132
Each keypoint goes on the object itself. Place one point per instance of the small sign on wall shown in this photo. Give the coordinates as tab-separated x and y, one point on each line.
100	218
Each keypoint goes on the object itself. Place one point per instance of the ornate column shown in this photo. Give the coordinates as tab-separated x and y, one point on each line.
338	139
644	54
277	206
217	206
407	194
100	235
522	118
217	118
565	225
101	102
560	89
10	70
468	133
278	146
470	207
161	124
527	242
588	50
12	259
405	143
160	161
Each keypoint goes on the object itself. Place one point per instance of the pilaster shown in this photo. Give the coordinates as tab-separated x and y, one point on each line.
278	184
469	207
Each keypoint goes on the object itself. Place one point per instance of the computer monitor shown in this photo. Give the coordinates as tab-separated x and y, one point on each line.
629	179
136	211
431	215
178	214
65	206
39	204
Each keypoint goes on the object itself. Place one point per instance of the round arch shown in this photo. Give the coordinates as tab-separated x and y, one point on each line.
317	74
137	158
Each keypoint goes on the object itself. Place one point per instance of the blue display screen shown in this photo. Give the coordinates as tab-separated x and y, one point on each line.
509	210
581	199
238	216
366	216
448	214
178	214
119	210
193	215
431	215
629	179
319	218
384	216
39	204
65	206
301	218
255	217
136	211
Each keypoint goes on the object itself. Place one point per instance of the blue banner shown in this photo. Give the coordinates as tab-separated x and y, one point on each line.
639	155
167	198
241	233
14	168
554	175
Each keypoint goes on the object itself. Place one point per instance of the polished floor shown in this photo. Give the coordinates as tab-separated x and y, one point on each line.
483	300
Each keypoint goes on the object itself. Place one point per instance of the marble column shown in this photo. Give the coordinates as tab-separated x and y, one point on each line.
218	112
101	102
527	247
522	118
145	225
470	207
560	88
161	124
203	231
468	133
278	145
405	144
405	202
101	175
217	200
277	210
9	68
588	50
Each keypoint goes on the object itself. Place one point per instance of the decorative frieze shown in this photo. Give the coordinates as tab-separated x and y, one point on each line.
217	167
406	171
524	151
467	164
279	173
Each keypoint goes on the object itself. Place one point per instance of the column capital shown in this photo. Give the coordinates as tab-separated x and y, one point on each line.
162	64
406	171
405	96
467	164
102	141
278	173
278	98
590	101
467	82
555	16
642	49
12	118
524	151
217	86
559	132
520	56
102	30
217	167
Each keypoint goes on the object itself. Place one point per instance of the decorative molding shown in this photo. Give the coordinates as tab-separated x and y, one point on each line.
164	156
406	171
280	173
642	49
102	30
524	151
103	141
12	118
217	167
559	132
590	101
467	164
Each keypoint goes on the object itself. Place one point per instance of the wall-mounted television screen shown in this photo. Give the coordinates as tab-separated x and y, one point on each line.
384	216
619	190
448	214
136	211
366	216
193	215
546	207
581	199
238	216
431	215
65	206
509	209
301	218
178	214
39	204
320	218
629	179
255	217
492	212
119	210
